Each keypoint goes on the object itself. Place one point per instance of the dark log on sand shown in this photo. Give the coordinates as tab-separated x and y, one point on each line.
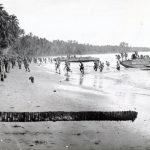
68	116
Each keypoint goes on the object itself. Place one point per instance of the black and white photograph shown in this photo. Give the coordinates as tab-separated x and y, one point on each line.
74	75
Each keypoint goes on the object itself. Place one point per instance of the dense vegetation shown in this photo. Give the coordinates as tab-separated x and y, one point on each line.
33	45
12	36
9	28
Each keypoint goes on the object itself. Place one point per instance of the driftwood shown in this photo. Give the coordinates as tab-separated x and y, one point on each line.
68	116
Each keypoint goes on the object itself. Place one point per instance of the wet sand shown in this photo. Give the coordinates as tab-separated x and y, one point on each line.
51	92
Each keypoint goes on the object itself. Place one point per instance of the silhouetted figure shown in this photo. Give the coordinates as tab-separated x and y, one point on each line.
81	68
118	66
57	66
107	64
101	66
67	67
96	65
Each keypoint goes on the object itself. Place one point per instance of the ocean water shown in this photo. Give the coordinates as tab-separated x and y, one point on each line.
127	89
110	79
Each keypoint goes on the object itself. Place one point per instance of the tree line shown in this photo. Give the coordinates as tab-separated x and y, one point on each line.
9	29
11	35
35	46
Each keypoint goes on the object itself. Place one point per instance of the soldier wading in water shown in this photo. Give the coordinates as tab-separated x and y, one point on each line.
67	67
57	66
96	65
118	65
81	67
101	66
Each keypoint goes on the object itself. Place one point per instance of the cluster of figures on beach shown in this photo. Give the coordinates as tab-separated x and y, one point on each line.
9	62
124	56
98	65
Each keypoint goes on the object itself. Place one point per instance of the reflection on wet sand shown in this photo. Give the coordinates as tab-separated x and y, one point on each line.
81	79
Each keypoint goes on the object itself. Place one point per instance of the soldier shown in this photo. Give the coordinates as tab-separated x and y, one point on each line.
45	60
57	66
101	66
13	62
35	60
67	67
96	65
122	55
26	65
107	64
6	64
19	63
2	69
118	57
118	66
40	60
81	67
126	56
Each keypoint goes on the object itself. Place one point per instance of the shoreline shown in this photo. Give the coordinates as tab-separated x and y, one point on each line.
109	53
19	94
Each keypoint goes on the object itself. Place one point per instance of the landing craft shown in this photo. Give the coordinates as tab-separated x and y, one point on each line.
77	59
137	63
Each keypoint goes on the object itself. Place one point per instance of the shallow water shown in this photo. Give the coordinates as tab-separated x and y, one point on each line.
128	89
124	82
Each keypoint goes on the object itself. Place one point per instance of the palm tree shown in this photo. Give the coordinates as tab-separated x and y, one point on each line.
9	28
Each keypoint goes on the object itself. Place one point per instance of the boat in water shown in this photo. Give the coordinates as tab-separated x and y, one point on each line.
77	59
136	63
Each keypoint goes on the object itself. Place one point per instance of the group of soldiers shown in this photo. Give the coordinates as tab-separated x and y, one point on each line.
41	60
66	67
135	55
100	65
97	65
122	56
9	62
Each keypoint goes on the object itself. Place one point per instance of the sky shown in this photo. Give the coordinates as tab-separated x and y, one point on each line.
97	22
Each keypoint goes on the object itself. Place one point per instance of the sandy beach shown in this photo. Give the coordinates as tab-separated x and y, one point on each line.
51	92
79	75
